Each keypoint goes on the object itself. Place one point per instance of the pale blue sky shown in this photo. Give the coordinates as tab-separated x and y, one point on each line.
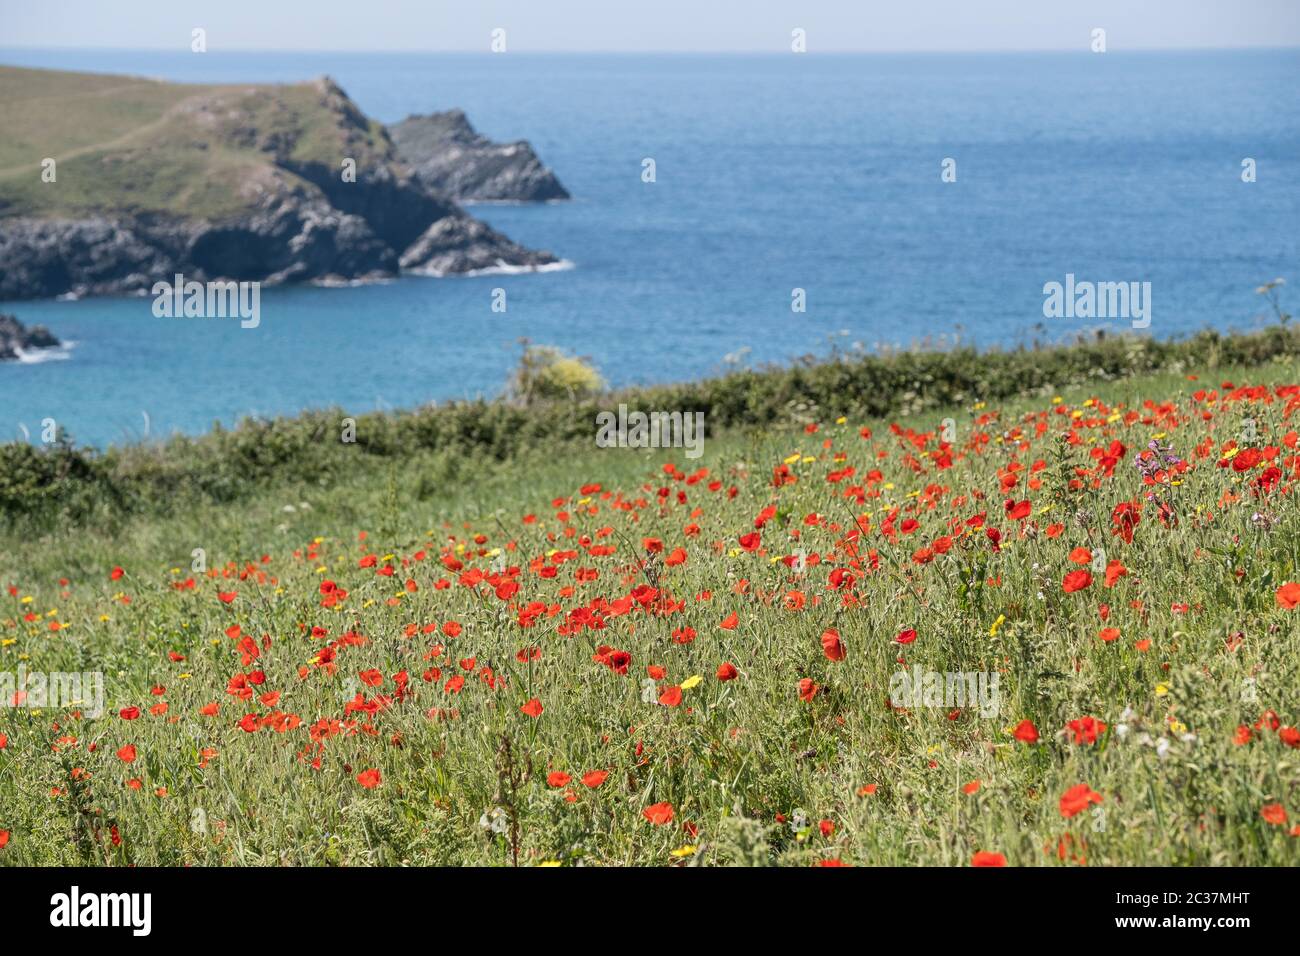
653	25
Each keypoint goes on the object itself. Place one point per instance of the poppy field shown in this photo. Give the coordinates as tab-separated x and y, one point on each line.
1059	630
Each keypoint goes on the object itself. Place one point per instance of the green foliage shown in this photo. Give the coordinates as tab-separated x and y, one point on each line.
546	374
128	145
41	488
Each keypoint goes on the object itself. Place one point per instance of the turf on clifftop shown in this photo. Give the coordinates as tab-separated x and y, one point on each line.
132	144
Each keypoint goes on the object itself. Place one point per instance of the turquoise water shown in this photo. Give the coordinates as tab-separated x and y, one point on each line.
774	172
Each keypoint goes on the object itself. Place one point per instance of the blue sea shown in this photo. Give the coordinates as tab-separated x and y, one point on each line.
817	172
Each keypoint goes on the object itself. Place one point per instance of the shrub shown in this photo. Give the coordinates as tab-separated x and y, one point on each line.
553	403
546	373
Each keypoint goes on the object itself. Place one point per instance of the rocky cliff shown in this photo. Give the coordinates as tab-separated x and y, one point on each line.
271	183
453	160
16	338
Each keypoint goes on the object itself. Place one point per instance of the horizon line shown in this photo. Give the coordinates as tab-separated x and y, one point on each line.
656	52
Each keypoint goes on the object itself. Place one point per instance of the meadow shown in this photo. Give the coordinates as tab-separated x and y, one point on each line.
574	655
130	144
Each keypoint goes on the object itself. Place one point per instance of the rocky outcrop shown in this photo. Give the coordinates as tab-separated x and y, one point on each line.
461	244
289	215
291	240
15	338
451	159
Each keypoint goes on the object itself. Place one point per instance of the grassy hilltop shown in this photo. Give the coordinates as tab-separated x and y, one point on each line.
136	145
238	181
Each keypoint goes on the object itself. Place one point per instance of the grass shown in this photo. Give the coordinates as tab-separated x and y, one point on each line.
136	145
64	484
749	770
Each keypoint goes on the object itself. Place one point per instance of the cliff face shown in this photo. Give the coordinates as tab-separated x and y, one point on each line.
291	238
268	183
451	159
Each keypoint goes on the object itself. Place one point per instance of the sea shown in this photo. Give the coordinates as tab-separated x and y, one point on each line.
801	205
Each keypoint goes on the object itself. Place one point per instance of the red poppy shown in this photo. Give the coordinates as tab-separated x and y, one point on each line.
726	671
1085	730
594	778
369	778
1076	799
1274	813
127	754
684	635
671	697
533	708
1246	459
832	647
1288	595
659	813
1124	519
1026	732
1114	571
1076	580
558	778
1017	511
988	858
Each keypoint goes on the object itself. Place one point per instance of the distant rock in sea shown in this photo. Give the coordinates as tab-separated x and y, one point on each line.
15	338
451	159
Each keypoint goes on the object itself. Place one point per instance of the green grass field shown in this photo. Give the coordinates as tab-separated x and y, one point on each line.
524	661
137	145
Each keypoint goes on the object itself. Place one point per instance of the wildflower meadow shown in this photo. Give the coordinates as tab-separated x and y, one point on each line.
1056	630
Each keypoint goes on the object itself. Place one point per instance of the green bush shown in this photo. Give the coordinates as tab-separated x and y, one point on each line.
545	373
44	486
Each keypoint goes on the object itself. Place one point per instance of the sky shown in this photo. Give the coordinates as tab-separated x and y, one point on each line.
649	25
